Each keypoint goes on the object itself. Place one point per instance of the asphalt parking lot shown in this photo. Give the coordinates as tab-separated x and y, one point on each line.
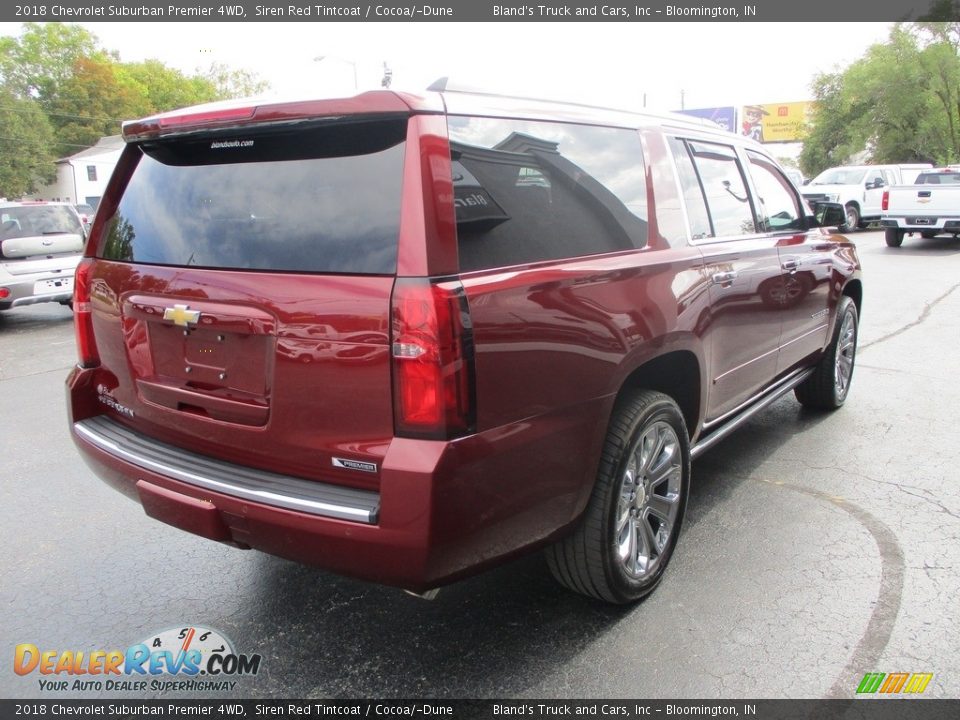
816	548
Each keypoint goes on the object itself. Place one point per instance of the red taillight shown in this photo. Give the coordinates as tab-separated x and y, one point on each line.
82	315
885	201
432	348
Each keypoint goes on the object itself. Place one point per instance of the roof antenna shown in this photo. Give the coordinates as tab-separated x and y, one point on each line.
438	85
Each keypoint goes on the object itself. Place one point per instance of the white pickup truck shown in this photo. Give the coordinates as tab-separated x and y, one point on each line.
859	188
930	207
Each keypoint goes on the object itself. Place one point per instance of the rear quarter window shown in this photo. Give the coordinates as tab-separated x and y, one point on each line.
533	191
307	199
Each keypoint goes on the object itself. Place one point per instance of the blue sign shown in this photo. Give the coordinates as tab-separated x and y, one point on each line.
725	117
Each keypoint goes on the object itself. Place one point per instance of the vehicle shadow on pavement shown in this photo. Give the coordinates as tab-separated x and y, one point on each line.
721	470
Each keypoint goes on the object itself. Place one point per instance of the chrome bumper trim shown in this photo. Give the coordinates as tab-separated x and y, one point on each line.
261	486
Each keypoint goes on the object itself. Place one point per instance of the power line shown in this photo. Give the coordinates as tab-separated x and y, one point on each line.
52	142
67	115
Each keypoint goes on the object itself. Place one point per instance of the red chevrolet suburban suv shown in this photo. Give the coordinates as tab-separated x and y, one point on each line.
407	337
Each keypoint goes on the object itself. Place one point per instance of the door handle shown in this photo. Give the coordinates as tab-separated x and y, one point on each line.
724	278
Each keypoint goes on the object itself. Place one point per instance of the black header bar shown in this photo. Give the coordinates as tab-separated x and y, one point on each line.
633	11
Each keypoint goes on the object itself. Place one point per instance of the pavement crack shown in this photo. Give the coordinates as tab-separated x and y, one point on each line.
920	319
921	493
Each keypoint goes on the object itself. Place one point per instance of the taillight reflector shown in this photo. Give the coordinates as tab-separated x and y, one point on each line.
885	201
432	348
83	316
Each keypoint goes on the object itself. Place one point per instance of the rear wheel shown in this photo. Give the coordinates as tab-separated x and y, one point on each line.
893	237
628	533
827	388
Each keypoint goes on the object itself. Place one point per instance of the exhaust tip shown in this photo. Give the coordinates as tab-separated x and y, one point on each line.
425	595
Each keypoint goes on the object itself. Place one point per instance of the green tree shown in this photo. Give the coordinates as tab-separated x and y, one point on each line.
61	92
42	58
92	103
26	141
899	103
163	88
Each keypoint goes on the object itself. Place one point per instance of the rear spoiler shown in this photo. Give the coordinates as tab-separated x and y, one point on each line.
214	116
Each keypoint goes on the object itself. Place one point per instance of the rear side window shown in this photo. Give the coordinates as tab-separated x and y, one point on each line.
697	214
532	191
722	181
317	199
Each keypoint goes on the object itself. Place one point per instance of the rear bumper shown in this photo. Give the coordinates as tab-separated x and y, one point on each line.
922	224
443	510
21	290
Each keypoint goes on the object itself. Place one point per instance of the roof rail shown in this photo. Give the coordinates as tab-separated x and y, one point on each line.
443	85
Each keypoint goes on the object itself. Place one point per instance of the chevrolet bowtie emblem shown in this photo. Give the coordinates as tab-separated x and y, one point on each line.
182	315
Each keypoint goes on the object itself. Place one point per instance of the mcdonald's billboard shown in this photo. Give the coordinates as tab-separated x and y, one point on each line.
776	122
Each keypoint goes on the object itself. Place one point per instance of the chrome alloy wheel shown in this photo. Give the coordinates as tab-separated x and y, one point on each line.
846	348
649	502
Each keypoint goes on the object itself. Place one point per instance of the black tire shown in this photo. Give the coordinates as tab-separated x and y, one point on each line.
828	387
928	234
853	218
893	237
593	560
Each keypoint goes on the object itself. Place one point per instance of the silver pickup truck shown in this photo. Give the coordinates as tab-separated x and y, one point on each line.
931	207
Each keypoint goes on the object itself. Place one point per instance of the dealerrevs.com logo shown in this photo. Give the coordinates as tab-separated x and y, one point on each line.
185	659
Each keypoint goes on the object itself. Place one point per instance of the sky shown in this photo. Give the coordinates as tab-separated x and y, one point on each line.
622	65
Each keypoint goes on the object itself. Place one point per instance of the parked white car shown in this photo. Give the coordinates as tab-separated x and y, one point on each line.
40	246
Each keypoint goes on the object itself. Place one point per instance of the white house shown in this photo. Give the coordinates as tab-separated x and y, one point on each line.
82	178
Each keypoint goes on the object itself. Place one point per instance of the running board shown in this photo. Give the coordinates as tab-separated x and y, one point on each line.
771	396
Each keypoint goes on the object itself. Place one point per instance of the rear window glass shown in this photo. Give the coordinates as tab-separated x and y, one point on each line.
316	199
941	178
34	220
533	191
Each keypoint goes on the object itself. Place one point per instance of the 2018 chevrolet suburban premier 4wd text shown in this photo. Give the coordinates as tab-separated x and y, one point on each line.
406	337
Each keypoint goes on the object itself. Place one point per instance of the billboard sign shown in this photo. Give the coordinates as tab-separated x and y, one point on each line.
776	122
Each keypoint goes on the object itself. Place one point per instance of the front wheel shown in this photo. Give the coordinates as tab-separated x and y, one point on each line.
620	549
853	218
893	237
829	385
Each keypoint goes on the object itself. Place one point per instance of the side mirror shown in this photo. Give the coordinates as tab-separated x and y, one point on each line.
828	214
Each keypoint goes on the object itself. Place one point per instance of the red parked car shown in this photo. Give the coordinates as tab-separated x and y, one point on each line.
408	337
